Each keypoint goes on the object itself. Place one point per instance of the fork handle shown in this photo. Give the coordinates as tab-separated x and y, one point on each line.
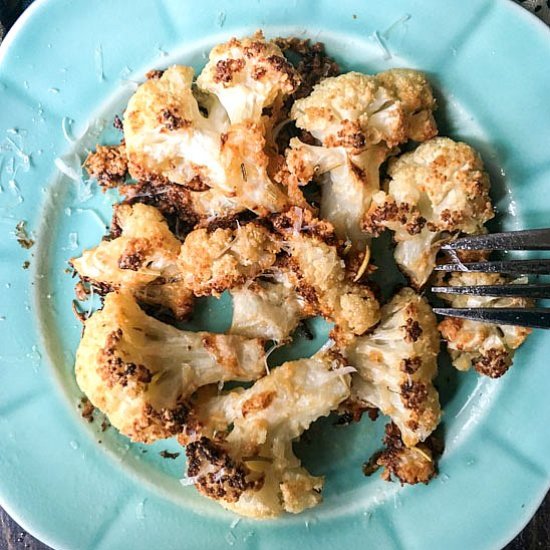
524	317
529	239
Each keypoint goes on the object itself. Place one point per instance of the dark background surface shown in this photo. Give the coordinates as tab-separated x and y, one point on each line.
535	536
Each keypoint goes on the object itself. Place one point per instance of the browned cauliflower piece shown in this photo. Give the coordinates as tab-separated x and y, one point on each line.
248	76
410	465
240	452
415	94
320	274
213	261
396	366
142	259
356	110
348	182
140	372
168	139
358	119
438	190
108	165
486	347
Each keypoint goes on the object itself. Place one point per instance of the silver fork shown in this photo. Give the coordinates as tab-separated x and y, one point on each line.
532	239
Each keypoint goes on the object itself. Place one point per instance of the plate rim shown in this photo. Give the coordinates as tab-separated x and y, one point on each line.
6	44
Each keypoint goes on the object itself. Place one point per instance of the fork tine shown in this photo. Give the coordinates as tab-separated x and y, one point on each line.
514	267
530	239
525	317
536	291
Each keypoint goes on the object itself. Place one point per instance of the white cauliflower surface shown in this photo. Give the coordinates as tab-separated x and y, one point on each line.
167	135
140	371
486	347
269	309
240	452
247	76
438	190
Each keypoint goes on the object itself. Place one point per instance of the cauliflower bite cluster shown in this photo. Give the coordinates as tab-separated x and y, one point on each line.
436	191
396	365
358	119
140	372
488	348
142	257
240	449
223	196
320	274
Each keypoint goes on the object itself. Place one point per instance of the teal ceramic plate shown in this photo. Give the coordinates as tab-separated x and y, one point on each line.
69	65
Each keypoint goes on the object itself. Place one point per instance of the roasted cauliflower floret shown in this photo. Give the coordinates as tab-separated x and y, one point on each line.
247	76
396	365
168	138
268	309
486	347
108	165
142	260
140	372
213	261
348	182
356	111
415	94
358	119
320	274
438	190
250	467
410	465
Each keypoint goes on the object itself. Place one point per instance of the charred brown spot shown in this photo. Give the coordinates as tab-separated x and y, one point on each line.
217	475
117	123
258	73
226	68
349	136
154	74
108	164
281	65
411	364
114	370
86	409
377	218
131	261
230	222
171	120
493	363
413	394
171	199
313	64
415	225
408	465
413	330
197	184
